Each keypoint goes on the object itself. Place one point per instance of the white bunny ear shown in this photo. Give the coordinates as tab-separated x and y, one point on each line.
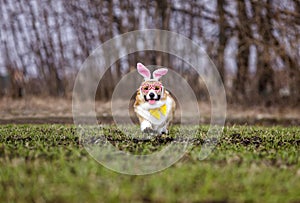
159	72
143	71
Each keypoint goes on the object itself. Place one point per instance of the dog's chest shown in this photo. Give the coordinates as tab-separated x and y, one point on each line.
157	114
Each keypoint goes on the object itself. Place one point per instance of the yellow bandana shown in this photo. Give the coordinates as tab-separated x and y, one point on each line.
156	112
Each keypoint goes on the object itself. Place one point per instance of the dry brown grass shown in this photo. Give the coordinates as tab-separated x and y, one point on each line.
38	107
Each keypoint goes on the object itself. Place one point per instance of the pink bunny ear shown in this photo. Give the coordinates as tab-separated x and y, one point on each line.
159	72
143	71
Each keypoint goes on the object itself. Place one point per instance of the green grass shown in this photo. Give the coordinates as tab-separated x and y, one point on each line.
47	163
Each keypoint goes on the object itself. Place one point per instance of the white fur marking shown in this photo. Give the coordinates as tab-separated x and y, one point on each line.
145	124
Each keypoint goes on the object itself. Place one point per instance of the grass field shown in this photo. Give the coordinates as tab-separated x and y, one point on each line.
47	163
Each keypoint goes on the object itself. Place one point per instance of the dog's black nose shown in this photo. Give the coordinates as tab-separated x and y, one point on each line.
151	95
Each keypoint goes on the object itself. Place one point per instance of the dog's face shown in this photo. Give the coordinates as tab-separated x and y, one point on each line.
151	91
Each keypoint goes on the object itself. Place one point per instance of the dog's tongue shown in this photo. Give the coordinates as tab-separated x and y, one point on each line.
152	101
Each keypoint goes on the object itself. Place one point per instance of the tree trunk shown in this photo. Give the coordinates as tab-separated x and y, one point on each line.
162	18
265	72
222	38
240	88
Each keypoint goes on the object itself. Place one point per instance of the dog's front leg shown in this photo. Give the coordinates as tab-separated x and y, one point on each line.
163	130
146	126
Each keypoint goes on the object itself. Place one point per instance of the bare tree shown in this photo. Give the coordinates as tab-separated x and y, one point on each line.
48	41
223	25
244	41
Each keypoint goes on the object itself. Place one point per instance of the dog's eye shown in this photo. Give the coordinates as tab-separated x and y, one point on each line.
157	87
146	88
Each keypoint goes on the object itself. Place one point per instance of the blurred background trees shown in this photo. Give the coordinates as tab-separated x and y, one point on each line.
254	44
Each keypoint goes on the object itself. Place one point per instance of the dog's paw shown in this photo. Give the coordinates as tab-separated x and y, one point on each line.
163	131
149	130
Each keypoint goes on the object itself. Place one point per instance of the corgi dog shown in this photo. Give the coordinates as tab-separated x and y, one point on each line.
154	106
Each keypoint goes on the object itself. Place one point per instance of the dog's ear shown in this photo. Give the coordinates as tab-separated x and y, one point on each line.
143	71
159	72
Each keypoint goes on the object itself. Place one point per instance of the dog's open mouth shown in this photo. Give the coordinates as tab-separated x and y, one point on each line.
152	101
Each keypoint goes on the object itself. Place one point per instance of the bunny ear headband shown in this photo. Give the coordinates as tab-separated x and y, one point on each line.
157	74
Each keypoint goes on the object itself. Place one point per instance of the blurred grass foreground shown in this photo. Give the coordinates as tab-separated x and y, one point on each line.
47	163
